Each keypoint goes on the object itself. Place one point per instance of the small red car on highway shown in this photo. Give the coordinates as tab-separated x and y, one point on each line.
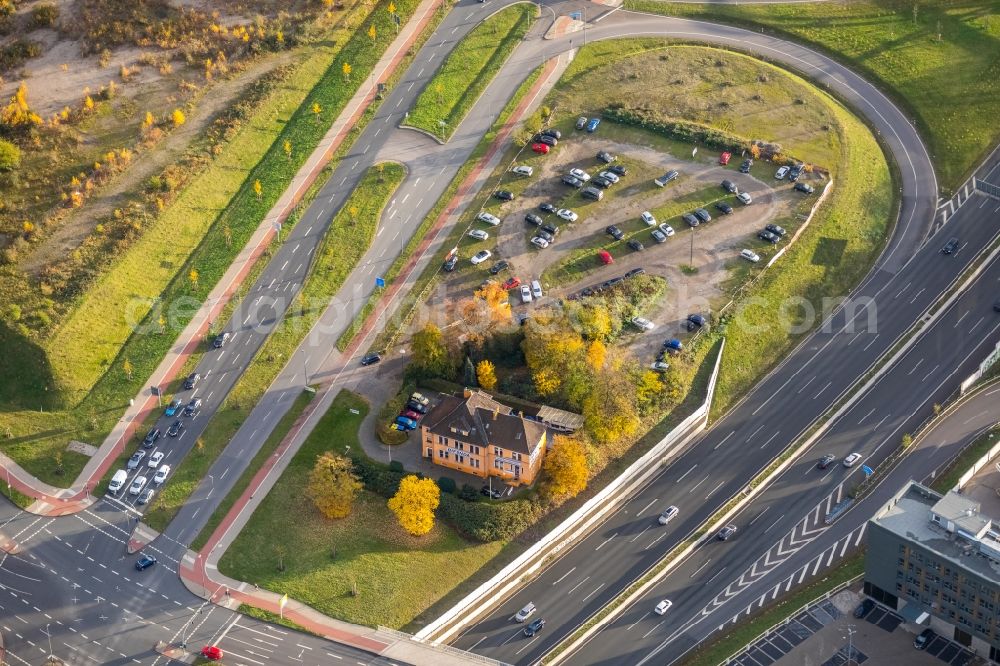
211	652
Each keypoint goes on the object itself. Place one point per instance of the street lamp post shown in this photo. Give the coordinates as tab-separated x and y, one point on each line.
49	634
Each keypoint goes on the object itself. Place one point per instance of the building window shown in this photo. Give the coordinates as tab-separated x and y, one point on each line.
461	446
497	464
497	451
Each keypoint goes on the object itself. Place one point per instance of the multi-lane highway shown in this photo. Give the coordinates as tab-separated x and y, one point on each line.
719	464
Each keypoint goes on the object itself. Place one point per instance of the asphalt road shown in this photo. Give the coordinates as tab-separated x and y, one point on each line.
100	532
719	464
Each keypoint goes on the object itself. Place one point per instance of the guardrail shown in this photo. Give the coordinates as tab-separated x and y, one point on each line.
445	649
575	526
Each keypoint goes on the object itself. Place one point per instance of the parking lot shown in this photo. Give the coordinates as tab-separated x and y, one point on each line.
826	633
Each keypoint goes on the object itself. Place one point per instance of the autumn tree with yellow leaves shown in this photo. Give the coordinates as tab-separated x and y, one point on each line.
414	504
566	468
486	375
333	485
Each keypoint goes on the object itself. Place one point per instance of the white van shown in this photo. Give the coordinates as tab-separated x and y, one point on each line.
117	481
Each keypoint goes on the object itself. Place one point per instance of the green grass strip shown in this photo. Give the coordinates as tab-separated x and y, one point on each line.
964	461
346	241
160	264
469	69
937	59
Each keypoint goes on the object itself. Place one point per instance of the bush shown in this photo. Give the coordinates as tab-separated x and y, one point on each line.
486	521
10	156
682	130
447	485
468	493
396	466
43	16
15	53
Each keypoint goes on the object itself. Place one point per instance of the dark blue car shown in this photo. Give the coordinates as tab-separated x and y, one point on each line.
673	345
407	423
592	125
145	562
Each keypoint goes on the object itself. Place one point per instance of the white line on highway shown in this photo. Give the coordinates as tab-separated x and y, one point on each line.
833	553
933	370
875	427
653	629
405	198
714	489
526	646
606	540
861	533
564	576
308	230
299	269
409	87
700	568
240	656
578	584
774	523
819	561
863	418
847	542
900	292
294	249
235	358
699	483
769	439
917	295
687	472
273	280
337	656
823	389
376	132
756	431
420	72
417	181
855	337
284	266
639	534
976	325
758	516
354	166
716	574
806	384
915	367
643	509
725	439
872	342
594	592
959	320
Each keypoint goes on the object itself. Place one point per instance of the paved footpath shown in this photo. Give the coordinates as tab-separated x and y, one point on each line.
199	571
52	501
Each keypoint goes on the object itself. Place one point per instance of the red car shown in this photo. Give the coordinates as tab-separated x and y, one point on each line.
211	652
410	414
512	283
605	257
724	158
540	148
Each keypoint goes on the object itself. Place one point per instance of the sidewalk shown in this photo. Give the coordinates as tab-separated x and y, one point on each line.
52	501
199	571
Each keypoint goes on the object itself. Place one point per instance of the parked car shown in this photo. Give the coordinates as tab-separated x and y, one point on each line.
144	562
605	257
501	265
781	173
405	423
695	321
546	207
750	256
805	188
745	167
540	148
411	414
136	458
745	198
491	492
416	406
525	294
606	157
666	229
730	186
192	380
175	429
554	133
660	366
643	323
550	229
146	497
618	170
702	215
601	182
371	358
150	439
525	613
607	175
796	171
663	607
636	245
511	283
723	207
579	174
725	157
581	122
504	195
531	218
478	234
538	241
421	398
567	214
668	514
776	230
480	257
488	218
450	263
923	640
592	125
547	140
614	232
523	170
673	345
950	246
155	459
658	236
852	460
648	218
634	273
220	340
572	181
536	289
138	483
192	407
666	178
592	192
174	405
690	219
161	474
864	608
535	626
769	237
726	533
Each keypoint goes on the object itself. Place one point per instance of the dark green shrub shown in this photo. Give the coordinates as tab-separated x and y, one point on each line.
396	466
43	16
468	493
447	485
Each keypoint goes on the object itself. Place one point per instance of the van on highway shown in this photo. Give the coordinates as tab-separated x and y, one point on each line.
117	481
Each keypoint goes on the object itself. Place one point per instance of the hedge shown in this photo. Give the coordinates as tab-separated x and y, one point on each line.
682	130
